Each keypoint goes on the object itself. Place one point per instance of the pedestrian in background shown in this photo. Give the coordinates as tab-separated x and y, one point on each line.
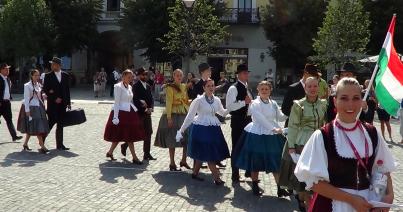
115	77
124	124
97	84
159	81
176	108
384	118
32	119
5	100
102	78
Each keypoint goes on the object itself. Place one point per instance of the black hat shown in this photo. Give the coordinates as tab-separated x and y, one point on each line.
56	60
242	67
4	65
311	69
348	67
141	71
203	66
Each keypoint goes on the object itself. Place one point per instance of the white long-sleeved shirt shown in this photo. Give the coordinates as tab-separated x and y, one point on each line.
205	113
7	95
32	98
230	101
123	99
265	117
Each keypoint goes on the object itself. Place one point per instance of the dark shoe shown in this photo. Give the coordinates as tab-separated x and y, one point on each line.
255	189
301	205
17	138
182	164
43	150
219	182
110	156
174	168
237	179
137	162
123	149
25	147
248	174
149	157
220	165
282	192
203	166
63	148
196	177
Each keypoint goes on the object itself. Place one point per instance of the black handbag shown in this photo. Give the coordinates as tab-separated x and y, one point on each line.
74	117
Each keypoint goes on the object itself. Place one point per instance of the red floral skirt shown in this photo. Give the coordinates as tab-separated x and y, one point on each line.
129	129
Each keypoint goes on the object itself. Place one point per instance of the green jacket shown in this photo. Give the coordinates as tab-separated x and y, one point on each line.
304	119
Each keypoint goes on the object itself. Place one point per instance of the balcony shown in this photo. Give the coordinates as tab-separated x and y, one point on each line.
241	16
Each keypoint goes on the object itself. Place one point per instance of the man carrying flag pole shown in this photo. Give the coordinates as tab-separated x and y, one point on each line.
389	78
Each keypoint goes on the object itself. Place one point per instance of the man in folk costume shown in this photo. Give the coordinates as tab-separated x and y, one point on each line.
237	101
5	98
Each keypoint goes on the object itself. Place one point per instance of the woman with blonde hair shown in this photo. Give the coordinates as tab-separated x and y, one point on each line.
176	108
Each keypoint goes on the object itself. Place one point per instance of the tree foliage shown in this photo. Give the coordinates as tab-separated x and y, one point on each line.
75	23
143	22
193	32
291	26
26	27
381	12
344	34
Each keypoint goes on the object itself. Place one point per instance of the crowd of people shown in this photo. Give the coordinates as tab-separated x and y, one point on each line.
324	155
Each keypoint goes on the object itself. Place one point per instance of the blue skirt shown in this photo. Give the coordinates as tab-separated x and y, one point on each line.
207	143
259	152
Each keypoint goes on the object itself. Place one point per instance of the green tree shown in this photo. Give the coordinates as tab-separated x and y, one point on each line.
291	26
381	12
143	22
344	34
193	32
75	23
26	27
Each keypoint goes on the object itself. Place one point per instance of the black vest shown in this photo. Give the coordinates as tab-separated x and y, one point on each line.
242	93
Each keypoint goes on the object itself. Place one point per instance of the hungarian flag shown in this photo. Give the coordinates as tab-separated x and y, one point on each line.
389	79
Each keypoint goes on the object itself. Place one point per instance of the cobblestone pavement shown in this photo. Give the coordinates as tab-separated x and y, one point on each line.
84	180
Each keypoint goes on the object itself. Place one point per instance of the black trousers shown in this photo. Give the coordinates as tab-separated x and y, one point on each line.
5	111
148	128
55	115
238	123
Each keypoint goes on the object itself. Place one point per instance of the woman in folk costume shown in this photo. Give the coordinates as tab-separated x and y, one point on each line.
32	119
176	108
261	144
206	141
307	115
338	161
124	124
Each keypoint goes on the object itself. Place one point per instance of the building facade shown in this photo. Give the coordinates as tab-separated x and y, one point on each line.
247	44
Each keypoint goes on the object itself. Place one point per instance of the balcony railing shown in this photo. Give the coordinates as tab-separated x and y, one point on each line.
241	16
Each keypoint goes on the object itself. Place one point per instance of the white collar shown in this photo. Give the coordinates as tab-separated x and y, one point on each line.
244	84
302	82
346	125
5	78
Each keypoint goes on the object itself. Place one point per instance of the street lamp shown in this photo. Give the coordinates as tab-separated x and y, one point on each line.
188	51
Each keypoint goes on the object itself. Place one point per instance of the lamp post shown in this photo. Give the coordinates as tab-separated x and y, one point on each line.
188	51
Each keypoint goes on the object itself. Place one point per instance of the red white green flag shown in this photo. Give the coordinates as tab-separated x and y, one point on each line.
389	79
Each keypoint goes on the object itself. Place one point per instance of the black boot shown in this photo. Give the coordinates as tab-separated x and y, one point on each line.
282	192
255	188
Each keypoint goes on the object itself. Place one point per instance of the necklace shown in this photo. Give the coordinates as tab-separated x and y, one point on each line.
265	101
209	100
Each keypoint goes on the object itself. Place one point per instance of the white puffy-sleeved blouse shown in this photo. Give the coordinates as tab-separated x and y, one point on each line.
32	95
123	99
203	113
312	165
265	117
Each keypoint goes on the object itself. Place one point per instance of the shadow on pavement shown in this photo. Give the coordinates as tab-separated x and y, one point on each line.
205	193
244	199
111	170
26	158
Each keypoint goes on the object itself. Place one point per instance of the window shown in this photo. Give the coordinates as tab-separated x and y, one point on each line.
113	5
244	3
